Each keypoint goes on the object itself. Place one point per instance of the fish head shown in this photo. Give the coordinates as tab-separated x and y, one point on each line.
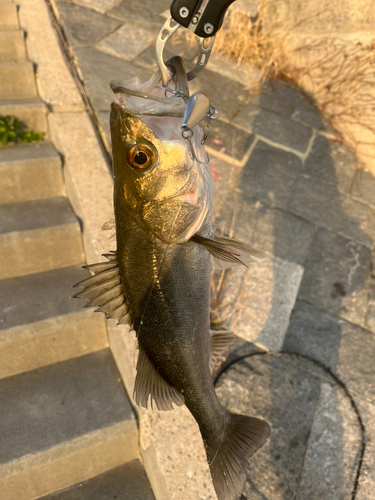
158	182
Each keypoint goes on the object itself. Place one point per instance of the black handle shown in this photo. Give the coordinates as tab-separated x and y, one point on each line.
210	21
214	15
190	7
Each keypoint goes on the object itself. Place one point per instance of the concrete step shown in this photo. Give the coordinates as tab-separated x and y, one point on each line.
30	111
127	482
17	80
41	325
30	172
37	236
12	45
63	424
8	16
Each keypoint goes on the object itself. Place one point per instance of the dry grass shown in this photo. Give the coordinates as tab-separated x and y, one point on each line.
340	75
337	75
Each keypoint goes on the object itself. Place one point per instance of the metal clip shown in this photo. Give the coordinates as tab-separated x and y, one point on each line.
165	34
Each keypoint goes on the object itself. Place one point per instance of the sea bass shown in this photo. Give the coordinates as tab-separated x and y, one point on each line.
158	280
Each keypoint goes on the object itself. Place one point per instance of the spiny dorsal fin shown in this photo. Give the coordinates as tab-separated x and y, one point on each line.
149	382
228	252
220	341
104	290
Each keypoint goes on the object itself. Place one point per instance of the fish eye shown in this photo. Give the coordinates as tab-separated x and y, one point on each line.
140	157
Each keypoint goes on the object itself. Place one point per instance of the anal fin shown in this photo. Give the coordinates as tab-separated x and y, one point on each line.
149	383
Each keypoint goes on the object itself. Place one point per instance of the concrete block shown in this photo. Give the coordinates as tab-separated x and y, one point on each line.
330	164
270	175
30	172
274	127
274	231
128	42
127	482
12	45
325	206
32	112
41	325
226	141
55	83
259	301
63	424
333	451
224	181
315	431
370	310
336	276
346	349
281	234
366	481
85	26
8	16
99	5
145	13
364	187
37	236
17	80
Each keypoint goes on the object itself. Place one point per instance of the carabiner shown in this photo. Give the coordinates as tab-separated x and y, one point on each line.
165	34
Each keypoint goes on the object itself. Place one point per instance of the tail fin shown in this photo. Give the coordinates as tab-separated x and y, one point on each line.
228	459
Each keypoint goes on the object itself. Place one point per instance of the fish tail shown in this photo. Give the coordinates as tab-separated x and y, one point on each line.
228	457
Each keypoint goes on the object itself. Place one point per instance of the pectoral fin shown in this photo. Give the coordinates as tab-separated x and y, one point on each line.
149	382
228	252
220	341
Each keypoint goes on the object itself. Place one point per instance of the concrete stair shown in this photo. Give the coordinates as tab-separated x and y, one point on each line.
17	80
62	424
30	111
37	236
41	325
30	172
12	46
127	482
8	16
65	418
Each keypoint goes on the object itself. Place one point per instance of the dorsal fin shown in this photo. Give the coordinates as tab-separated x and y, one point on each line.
220	341
104	290
149	382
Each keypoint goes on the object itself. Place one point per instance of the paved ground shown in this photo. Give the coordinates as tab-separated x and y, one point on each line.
305	316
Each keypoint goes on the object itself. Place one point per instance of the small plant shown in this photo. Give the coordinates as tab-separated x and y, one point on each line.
13	130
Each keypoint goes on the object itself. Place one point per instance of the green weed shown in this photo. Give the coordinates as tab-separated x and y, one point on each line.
13	130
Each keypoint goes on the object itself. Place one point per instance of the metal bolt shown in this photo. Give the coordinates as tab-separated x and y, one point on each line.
208	28
194	20
184	12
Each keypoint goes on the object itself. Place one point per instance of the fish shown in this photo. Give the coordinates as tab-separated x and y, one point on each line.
158	279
